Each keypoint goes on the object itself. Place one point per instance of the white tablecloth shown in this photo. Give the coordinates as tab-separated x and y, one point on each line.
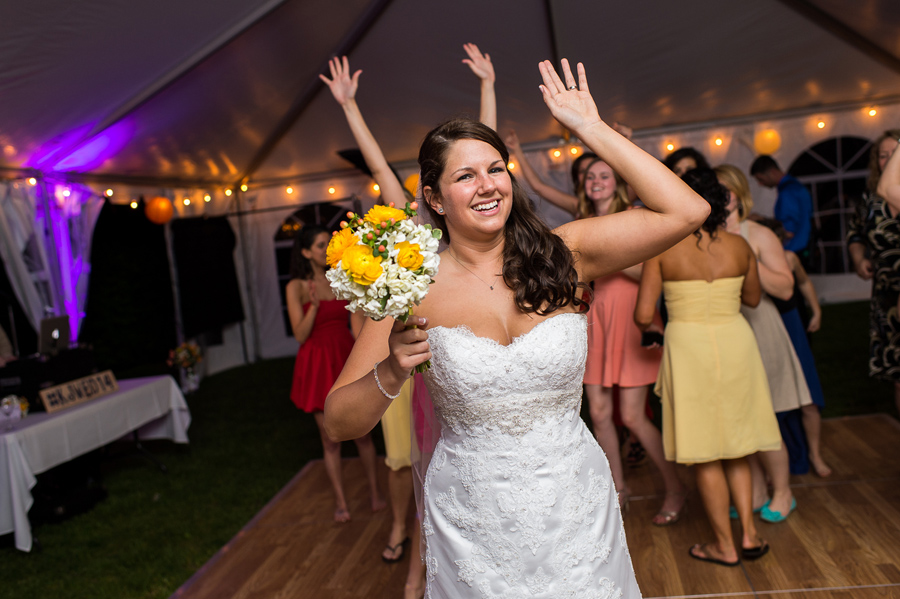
154	406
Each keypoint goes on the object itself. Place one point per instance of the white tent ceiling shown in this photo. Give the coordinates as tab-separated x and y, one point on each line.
183	92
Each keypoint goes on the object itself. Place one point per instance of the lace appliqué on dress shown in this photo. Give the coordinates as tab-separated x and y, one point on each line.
513	481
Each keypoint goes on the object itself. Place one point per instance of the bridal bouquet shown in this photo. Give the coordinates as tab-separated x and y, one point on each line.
383	263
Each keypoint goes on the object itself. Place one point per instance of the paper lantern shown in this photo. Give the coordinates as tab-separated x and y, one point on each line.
767	141
159	210
412	184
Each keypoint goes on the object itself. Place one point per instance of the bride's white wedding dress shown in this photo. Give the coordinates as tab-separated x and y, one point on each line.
519	500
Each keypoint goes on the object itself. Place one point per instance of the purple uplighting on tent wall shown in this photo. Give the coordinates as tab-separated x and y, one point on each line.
95	151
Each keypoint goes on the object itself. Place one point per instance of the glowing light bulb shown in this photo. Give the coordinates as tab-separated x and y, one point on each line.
820	124
32	181
206	198
67	193
511	166
557	153
332	190
133	204
109	193
718	141
872	112
670	146
289	190
574	150
187	201
244	187
228	192
375	187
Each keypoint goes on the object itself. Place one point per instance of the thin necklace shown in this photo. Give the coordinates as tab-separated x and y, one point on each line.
470	270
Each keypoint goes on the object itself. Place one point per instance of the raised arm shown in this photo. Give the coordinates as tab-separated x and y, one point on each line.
566	201
343	87
482	67
889	183
609	244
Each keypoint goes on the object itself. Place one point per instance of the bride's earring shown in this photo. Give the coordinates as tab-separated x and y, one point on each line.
440	210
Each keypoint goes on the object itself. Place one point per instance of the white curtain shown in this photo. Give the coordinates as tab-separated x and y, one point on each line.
18	247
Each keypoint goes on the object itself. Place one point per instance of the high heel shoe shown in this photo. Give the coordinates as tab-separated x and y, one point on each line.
666	517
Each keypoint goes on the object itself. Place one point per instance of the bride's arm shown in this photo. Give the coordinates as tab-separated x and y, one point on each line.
611	243
356	404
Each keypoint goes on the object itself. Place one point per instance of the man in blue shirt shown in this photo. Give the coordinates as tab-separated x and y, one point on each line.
793	207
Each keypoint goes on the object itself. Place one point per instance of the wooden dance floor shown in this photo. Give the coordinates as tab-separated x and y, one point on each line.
843	542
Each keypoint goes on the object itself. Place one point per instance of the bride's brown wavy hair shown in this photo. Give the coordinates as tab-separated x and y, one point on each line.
537	265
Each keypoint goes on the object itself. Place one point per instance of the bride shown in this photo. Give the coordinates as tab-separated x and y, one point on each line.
519	500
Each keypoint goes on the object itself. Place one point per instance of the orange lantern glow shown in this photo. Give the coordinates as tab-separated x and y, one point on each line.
767	141
159	210
412	184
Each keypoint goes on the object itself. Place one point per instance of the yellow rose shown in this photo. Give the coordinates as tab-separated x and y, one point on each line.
408	255
338	245
384	214
363	267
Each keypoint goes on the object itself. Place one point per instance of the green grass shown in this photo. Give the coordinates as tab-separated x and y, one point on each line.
155	530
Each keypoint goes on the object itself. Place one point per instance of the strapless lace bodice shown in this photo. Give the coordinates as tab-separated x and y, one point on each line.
519	500
479	385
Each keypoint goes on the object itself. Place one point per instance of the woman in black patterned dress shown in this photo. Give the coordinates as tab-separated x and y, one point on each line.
874	245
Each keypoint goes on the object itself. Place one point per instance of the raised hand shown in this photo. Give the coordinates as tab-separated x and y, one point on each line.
342	84
512	141
479	63
571	104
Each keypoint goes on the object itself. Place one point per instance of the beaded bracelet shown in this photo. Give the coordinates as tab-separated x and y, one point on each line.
380	388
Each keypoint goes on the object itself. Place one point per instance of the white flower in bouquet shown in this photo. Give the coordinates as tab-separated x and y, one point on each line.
383	262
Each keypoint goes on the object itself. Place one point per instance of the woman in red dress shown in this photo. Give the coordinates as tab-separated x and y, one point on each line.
322	325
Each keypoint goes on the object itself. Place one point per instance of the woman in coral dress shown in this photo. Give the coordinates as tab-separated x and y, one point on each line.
617	358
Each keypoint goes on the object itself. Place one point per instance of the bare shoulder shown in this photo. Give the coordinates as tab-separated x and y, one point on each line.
761	234
297	289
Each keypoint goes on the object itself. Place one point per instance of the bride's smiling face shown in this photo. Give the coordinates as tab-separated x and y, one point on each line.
475	188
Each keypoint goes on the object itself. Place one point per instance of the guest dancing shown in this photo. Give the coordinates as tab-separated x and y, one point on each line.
801	432
616	358
321	324
715	396
784	371
874	244
518	496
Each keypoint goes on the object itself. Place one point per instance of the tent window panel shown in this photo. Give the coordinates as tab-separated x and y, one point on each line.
835	172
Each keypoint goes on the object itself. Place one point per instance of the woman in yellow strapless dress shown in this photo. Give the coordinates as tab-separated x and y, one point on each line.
715	395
